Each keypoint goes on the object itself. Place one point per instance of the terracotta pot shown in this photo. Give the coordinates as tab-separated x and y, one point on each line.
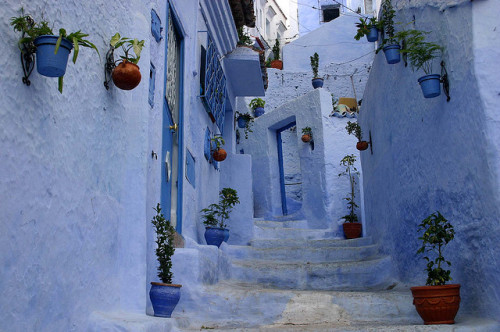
126	75
362	145
219	154
306	138
437	304
352	230
278	64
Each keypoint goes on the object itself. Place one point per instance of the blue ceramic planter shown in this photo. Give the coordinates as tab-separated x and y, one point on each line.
317	82
431	85
48	63
226	234
214	236
392	53
242	122
373	35
164	298
259	111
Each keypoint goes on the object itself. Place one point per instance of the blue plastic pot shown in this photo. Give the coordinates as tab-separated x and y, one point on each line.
226	234
373	35
392	53
48	63
259	111
214	236
164	298
242	122
317	82
431	85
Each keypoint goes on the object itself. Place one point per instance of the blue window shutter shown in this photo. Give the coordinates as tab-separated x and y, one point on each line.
156	28
206	146
190	168
152	75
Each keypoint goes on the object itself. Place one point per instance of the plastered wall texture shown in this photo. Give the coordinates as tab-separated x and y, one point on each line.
432	155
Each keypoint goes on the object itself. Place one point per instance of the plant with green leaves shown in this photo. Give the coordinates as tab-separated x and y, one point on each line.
248	122
128	44
276	49
353	128
388	14
351	172
243	37
217	214
365	24
437	233
256	102
218	141
165	245
314	64
307	131
420	53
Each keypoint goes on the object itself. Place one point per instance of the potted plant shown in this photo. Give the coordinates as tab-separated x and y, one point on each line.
257	104
368	27
243	38
127	74
52	51
421	55
389	44
245	120
219	154
353	128
436	303
215	216
276	63
306	134
317	82
164	295
351	226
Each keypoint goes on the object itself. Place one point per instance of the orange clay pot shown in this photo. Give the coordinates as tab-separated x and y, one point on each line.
126	75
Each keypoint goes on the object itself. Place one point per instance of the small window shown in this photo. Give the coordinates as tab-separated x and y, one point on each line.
330	12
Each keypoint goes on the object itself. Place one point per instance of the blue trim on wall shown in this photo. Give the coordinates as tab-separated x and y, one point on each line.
281	168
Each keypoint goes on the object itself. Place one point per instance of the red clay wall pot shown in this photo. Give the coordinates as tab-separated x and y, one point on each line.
278	64
352	230
362	145
306	138
126	75
437	304
219	155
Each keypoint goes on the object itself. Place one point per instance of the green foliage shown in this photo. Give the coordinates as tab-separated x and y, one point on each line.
307	131
217	214
315	64
128	44
276	49
420	53
350	171
256	102
437	233
165	245
334	101
249	121
243	37
353	128
218	140
365	24
388	14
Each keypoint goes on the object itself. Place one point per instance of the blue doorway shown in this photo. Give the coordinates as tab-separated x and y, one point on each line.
281	161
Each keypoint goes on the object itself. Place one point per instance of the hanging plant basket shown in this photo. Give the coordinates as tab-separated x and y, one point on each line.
392	54
50	64
259	111
126	75
362	145
431	85
219	154
373	35
306	138
317	82
242	122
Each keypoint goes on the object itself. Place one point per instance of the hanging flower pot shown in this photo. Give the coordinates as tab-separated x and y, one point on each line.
48	63
392	53
126	75
306	138
362	145
259	111
317	82
219	154
164	298
431	85
373	35
242	122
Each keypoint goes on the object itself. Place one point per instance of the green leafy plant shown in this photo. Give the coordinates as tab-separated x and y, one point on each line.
388	14
364	26
307	131
128	44
243	37
350	171
218	140
31	30
217	214
248	122
256	102
437	233
165	245
315	64
276	49
420	53
353	128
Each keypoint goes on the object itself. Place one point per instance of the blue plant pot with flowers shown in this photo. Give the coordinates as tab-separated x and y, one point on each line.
392	54
373	35
431	85
48	63
164	298
214	236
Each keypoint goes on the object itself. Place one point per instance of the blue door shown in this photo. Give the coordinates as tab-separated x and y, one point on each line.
281	168
167	166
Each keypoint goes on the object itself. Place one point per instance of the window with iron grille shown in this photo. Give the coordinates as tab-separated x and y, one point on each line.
213	84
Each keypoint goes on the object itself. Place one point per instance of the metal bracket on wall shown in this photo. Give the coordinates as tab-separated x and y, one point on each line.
445	81
109	66
28	51
370	142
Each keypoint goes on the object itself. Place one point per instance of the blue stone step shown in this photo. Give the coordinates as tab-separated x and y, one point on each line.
291	233
305	243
